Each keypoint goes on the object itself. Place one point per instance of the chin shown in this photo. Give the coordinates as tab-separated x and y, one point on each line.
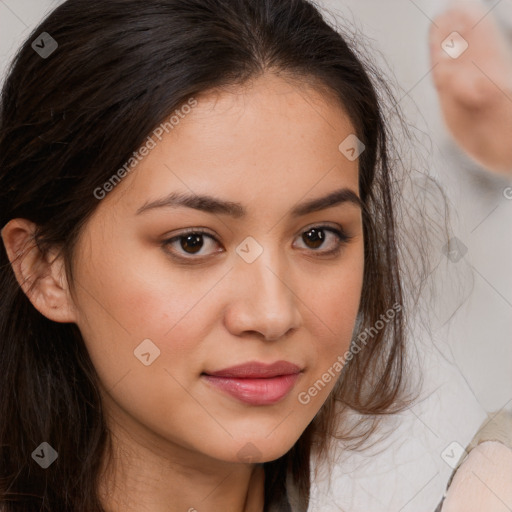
259	449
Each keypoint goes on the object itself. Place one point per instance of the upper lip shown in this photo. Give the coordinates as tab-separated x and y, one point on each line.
257	370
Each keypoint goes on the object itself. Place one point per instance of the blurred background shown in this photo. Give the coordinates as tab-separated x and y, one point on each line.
466	358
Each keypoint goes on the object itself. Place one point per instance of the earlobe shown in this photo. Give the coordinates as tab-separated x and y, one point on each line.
41	275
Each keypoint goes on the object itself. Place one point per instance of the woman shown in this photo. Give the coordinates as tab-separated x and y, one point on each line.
200	281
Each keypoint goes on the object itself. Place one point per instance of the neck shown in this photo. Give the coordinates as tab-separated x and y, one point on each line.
146	473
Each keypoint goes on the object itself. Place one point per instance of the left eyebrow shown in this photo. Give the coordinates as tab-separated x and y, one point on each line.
214	205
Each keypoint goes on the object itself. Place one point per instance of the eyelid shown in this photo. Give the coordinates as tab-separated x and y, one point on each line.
188	231
326	225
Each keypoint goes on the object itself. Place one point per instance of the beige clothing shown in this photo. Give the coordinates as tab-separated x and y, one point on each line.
495	459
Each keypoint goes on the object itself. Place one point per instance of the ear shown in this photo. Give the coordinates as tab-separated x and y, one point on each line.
41	276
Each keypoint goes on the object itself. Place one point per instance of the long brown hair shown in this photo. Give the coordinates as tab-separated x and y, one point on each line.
120	68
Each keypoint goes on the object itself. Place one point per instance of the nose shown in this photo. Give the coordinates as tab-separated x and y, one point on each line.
264	300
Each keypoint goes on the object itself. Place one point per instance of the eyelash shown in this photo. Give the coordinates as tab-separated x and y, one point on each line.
342	237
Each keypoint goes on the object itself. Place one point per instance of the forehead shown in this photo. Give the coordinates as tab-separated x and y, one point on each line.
271	134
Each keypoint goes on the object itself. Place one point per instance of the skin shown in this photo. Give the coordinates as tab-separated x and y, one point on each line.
475	89
482	482
269	146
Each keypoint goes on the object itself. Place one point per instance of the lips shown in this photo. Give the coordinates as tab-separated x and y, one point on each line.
256	383
256	370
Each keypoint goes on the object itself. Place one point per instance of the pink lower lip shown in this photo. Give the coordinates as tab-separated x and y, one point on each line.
255	391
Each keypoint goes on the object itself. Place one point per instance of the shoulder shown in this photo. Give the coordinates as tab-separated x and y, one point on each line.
482	479
482	482
497	427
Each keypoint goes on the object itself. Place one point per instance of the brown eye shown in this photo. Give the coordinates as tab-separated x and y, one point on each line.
315	237
320	236
193	242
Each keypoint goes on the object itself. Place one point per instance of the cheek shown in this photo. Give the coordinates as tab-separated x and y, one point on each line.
337	311
335	305
140	296
133	299
336	301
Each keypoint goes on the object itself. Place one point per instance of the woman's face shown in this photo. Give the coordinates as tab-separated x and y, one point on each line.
263	283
